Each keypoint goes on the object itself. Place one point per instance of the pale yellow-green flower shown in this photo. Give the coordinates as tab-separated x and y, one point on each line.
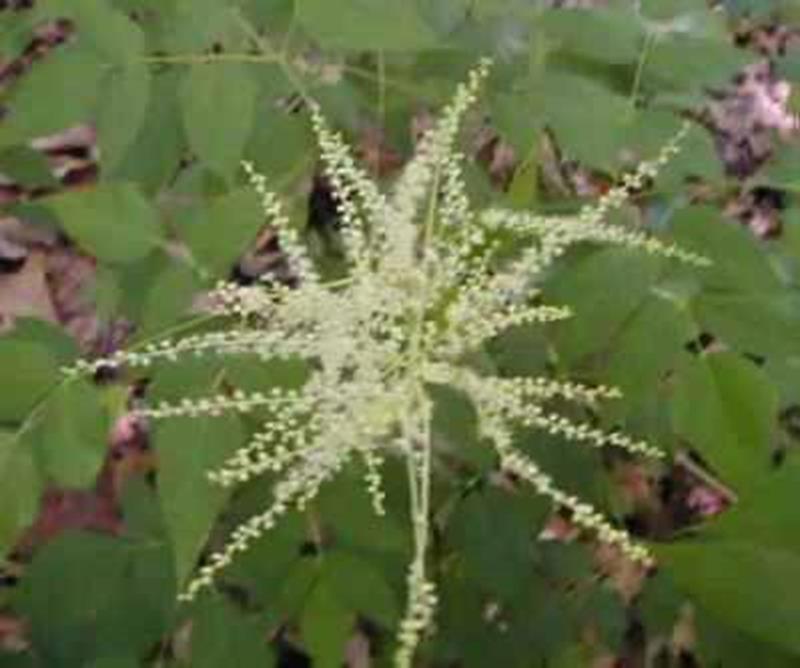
428	281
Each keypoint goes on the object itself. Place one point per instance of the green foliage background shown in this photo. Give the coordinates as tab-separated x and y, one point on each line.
180	91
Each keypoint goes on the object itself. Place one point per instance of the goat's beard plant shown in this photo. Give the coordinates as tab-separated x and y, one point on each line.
428	282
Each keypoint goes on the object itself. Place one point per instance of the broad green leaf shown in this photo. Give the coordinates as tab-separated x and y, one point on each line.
365	25
153	158
765	517
783	170
71	434
737	263
745	584
726	407
87	596
29	371
18	660
224	636
789	67
16	31
603	289
576	126
192	26
280	147
722	644
113	222
115	662
646	348
697	158
169	297
753	323
58	92
519	351
121	112
520	636
682	17
110	34
267	564
27	166
296	587
325	626
20	487
345	504
218	234
489	528
141	511
601	608
512	117
276	15
454	427
360	586
607	35
575	468
72	76
689	64
188	448
218	106
574	656
664	605
58	342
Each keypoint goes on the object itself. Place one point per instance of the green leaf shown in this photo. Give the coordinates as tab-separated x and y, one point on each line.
325	626
454	426
218	105
20	488
697	158
267	564
27	166
31	370
188	448
783	169
360	586
192	26
720	644
122	107
587	33
59	91
281	146
765	517
115	662
16	31
224	636
745	584
646	348
87	596
110	34
576	126
519	636
764	325
365	25
168	298
345	504
70	437
726	407
737	262
604	289
113	222
489	529
690	64
218	234
153	158
72	78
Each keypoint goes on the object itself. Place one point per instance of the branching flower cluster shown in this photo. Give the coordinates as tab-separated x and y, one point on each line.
428	281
